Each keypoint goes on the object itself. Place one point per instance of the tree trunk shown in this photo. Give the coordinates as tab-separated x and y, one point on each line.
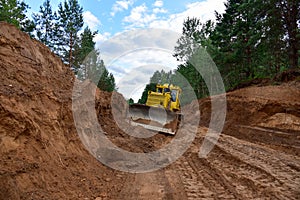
71	51
290	11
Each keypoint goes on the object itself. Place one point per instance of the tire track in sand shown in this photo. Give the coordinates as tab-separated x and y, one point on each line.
265	170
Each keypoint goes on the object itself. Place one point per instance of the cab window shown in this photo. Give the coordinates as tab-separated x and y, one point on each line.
166	90
173	95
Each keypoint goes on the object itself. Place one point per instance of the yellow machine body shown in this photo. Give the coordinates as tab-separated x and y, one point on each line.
161	112
166	96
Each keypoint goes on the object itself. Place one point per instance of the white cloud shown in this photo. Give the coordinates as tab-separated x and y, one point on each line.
207	9
134	55
159	10
136	14
139	38
158	3
132	84
131	67
142	17
120	6
139	17
91	20
203	10
100	38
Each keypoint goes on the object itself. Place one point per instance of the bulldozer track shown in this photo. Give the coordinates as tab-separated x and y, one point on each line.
237	169
201	181
276	137
244	176
234	169
259	166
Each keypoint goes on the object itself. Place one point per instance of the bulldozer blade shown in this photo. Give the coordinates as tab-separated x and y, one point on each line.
154	118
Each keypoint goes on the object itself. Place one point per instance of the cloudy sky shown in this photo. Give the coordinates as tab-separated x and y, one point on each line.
137	37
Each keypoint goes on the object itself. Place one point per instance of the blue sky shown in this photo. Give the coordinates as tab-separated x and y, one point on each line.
110	17
137	37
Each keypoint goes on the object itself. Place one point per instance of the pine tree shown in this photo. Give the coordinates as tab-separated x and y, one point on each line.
14	12
83	47
148	87
70	22
45	24
107	80
243	43
252	39
130	101
189	39
290	18
194	35
232	37
161	77
87	62
93	68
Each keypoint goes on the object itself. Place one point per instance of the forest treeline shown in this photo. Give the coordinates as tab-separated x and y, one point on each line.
62	32
250	40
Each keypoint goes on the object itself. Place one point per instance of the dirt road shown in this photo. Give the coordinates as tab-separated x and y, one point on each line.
235	169
256	157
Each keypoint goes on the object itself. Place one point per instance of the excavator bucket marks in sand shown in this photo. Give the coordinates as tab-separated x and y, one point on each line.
154	118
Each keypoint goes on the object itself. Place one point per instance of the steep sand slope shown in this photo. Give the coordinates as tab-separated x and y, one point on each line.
41	154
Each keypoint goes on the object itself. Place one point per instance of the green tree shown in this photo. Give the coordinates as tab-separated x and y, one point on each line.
158	77
194	35
87	62
107	80
83	47
290	20
257	41
161	77
14	12
250	39
70	21
149	87
234	36
187	76
130	101
93	68
45	24
189	40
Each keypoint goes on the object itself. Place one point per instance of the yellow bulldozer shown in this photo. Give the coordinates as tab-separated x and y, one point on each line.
161	112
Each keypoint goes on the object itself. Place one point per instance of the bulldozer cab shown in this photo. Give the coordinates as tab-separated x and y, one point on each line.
166	96
161	112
